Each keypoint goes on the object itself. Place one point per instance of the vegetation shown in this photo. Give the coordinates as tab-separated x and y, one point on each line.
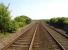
9	25
4	17
22	20
59	22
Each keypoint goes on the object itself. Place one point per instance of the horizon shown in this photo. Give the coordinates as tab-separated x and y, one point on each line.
38	9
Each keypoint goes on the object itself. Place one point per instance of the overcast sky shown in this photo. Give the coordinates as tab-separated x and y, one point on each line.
38	9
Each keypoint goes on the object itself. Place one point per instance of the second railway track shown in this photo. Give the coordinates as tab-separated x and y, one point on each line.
61	39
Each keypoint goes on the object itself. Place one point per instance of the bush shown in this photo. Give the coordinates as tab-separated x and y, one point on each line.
57	22
22	20
11	27
4	17
8	25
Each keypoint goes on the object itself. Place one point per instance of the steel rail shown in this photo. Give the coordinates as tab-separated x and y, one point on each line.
31	45
17	38
62	47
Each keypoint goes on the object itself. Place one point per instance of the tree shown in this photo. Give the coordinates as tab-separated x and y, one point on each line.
11	27
6	24
22	20
4	17
60	22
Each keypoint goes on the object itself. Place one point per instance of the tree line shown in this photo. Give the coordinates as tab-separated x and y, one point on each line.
11	25
59	22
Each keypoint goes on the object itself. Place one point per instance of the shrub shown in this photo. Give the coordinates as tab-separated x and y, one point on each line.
22	20
11	27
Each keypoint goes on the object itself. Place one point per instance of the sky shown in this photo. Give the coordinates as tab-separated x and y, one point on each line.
38	9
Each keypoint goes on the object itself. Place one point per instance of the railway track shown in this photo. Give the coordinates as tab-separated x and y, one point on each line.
39	37
23	42
61	39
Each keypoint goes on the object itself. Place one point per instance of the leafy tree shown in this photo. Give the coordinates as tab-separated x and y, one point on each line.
6	24
60	22
57	22
53	21
22	20
4	17
12	27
